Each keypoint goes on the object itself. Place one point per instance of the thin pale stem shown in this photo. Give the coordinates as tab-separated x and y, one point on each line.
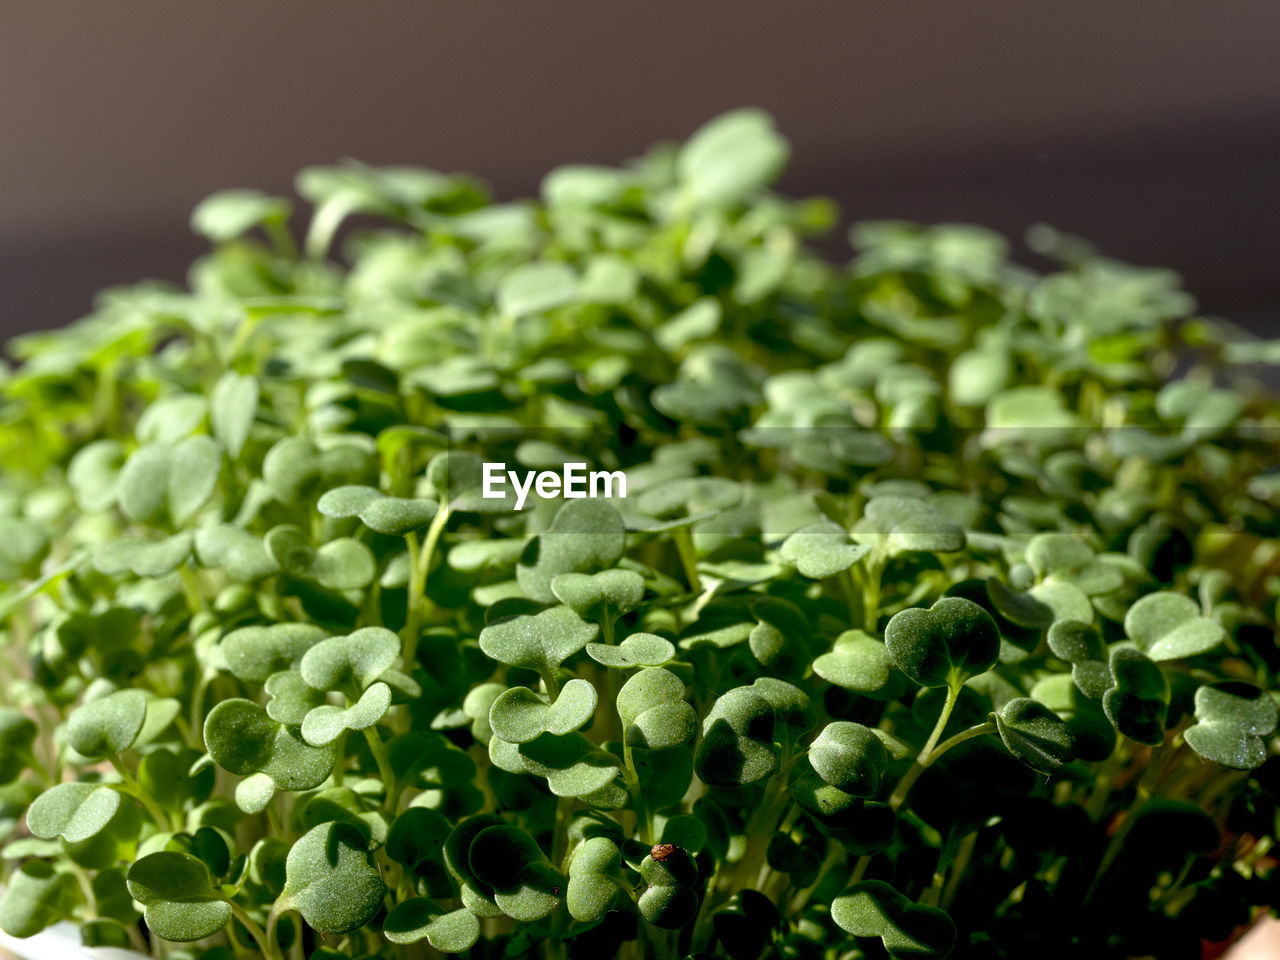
134	789
383	760
688	557
265	941
419	568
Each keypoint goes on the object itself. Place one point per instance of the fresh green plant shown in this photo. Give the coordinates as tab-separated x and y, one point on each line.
938	617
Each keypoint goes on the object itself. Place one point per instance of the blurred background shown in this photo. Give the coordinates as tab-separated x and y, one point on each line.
1151	126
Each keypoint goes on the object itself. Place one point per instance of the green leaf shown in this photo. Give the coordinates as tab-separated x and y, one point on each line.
232	408
143	483
1168	626
637	650
394	516
228	214
238	553
255	653
519	715
37	896
1035	735
73	811
1138	700
1233	720
506	859
359	658
861	663
417	837
417	919
193	476
177	895
540	641
143	558
23	545
108	726
737	740
457	478
850	757
595	880
609	593
296	470
907	524
586	536
1068	557
178	479
331	880
92	474
572	765
324	724
951	641
730	158
698	321
1081	646
872	908
536	288
344	564
822	550
1094	735
17	734
670	897
244	740
292	698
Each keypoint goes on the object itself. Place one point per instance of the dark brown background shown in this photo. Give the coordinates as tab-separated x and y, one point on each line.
1148	125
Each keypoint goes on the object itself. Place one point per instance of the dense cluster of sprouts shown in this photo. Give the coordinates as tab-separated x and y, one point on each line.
938	616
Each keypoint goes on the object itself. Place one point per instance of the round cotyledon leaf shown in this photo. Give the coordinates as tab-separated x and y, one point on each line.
109	725
540	641
670	897
1168	626
17	734
73	811
730	158
596	595
394	516
37	896
822	549
907	524
595	880
1035	734
637	650
525	886
850	757
1138	700
737	740
1233	721
1081	645
872	908
324	724
243	739
232	408
417	919
331	880
359	658
519	715
586	536
255	653
178	898
861	663
951	641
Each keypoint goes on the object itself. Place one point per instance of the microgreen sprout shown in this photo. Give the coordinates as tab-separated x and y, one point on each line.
931	609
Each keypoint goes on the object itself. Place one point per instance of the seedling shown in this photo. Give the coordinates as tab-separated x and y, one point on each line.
612	575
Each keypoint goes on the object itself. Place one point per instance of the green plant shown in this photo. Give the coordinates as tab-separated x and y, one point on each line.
938	616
